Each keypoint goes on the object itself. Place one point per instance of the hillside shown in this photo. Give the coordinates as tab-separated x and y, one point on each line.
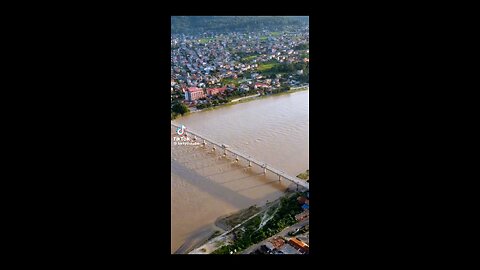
196	24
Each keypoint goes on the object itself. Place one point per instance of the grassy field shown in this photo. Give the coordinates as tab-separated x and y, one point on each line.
204	40
266	67
275	34
263	38
226	81
249	58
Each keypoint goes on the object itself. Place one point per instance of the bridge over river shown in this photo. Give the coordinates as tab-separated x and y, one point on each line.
206	142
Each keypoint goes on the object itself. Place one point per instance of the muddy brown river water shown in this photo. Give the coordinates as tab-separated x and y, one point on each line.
205	185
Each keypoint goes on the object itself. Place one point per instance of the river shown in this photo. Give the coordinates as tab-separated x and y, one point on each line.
205	185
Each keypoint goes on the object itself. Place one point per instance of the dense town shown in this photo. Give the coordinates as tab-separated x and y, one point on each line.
209	70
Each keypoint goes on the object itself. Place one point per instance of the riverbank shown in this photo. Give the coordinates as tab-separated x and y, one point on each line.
242	98
205	188
224	225
275	218
231	223
248	99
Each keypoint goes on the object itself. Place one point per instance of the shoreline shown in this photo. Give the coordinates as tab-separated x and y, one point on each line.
247	99
226	230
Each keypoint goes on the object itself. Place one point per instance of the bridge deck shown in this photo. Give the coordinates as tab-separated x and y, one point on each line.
293	179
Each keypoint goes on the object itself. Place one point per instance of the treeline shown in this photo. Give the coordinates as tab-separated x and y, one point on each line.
196	24
178	108
285	67
303	46
291	68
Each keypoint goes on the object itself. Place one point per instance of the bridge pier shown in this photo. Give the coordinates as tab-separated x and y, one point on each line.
250	160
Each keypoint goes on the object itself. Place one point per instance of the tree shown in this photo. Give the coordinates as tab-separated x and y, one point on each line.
180	108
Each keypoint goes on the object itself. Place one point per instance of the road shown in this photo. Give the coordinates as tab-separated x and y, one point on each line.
283	233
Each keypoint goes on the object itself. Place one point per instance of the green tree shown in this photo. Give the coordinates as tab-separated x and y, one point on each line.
180	108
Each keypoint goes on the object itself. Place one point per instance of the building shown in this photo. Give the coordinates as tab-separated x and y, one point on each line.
299	245
302	215
277	242
261	85
194	93
214	91
288	249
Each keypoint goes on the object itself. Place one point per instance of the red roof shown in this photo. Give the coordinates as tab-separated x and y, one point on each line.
194	89
217	89
261	84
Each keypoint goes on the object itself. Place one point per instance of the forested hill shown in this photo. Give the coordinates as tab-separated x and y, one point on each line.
196	24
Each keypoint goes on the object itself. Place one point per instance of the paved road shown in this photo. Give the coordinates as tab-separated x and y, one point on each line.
284	233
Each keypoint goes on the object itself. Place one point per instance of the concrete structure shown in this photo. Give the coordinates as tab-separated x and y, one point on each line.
194	93
298	244
214	91
236	154
288	249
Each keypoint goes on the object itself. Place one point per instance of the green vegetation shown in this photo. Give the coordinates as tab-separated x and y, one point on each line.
237	218
267	66
282	218
238	93
303	46
225	101
216	101
305	175
248	58
273	68
263	38
179	108
275	34
228	81
199	24
204	40
215	234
